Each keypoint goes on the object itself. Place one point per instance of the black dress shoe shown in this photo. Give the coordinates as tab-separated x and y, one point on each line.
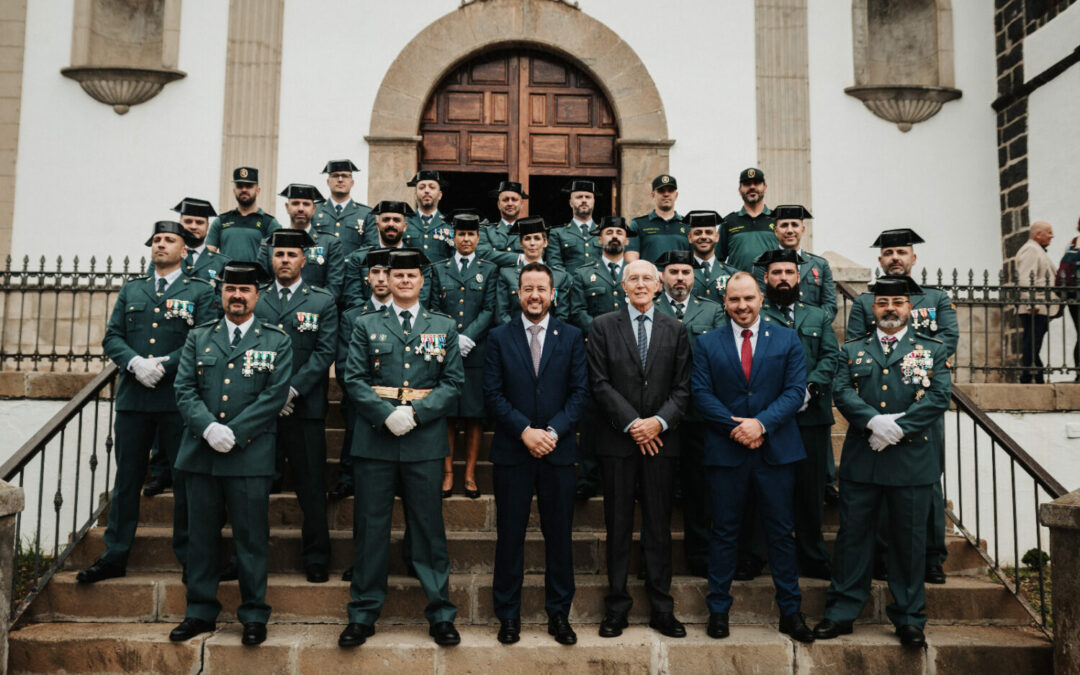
911	636
585	491
795	626
347	574
340	491
829	629
935	574
746	570
816	571
445	634
355	634
832	495
667	624
231	572
509	631
156	485
316	573
100	571
560	628
254	633
612	625
189	628
718	625
473	492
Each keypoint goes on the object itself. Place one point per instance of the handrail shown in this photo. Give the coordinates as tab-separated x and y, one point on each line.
55	424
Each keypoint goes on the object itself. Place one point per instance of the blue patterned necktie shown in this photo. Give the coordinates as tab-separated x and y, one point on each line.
642	339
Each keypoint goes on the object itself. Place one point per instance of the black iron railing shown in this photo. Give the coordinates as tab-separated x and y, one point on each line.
58	316
62	470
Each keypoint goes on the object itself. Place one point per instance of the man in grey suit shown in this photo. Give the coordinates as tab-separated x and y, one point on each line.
639	367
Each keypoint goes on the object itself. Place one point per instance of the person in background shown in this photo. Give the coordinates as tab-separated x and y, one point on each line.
1035	272
341	215
747	233
239	233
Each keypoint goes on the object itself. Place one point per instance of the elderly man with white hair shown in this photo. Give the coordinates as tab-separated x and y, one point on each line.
1035	270
639	367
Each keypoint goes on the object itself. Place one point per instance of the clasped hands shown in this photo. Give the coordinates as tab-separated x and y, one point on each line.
884	431
219	437
290	403
749	432
148	371
538	441
401	421
646	433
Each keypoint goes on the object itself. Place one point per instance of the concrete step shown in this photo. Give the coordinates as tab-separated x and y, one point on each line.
148	597
470	552
134	647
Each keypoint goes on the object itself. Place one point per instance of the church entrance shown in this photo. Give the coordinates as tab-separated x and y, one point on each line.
525	116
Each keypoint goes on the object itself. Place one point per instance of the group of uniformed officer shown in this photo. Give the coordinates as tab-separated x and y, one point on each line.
225	349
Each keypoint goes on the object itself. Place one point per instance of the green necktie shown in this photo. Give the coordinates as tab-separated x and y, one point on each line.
236	335
614	267
190	260
337	209
406	325
284	296
161	284
679	311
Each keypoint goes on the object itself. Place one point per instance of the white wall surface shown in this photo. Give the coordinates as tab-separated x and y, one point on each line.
940	178
1053	169
91	182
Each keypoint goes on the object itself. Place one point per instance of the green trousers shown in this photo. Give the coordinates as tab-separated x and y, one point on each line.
810	496
301	444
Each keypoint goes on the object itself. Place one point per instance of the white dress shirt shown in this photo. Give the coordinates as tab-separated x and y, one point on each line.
292	288
243	327
737	330
414	311
169	278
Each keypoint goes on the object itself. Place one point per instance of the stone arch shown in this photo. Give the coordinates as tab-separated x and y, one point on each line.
550	25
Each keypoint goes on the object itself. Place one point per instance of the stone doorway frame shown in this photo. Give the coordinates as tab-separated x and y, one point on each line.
548	25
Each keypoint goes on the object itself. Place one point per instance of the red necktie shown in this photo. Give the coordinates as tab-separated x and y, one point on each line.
747	353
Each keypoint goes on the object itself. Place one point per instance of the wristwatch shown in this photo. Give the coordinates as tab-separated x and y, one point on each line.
554	435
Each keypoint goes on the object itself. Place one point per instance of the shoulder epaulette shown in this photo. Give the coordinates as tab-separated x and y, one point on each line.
320	289
432	312
208	324
928	338
856	339
142	278
273	327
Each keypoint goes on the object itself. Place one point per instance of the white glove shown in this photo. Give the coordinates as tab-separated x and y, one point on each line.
885	428
147	371
401	421
289	406
805	400
219	436
465	345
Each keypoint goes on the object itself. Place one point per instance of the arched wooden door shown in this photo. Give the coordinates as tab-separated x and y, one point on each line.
525	116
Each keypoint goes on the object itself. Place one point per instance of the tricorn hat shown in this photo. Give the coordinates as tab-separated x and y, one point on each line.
335	165
290	238
778	255
407	259
244	272
791	212
529	225
427	174
387	206
702	219
170	227
302	191
378	257
896	284
509	186
676	257
190	206
612	221
903	236
581	186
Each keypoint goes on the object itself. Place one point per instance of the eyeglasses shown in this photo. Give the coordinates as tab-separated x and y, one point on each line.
640	279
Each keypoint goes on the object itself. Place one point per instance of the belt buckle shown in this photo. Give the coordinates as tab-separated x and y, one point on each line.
402	396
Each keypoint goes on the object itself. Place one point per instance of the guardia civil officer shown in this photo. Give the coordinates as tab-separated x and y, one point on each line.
933	314
391	223
463	288
532	234
597	289
405	374
700	316
893	386
308	314
783	306
341	215
147	328
816	286
325	264
232	382
573	244
497	244
239	233
748	232
427	229
710	273
662	229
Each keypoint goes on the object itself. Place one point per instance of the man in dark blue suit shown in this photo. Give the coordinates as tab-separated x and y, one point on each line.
536	388
748	381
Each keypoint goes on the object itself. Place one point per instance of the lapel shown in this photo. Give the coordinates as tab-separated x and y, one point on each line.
452	268
776	314
764	344
521	342
147	287
658	335
220	338
727	348
419	325
176	288
800	315
627	330
900	348
807	273
873	348
550	342
249	341
393	326
295	299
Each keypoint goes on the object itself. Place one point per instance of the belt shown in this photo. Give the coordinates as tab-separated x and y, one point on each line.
402	394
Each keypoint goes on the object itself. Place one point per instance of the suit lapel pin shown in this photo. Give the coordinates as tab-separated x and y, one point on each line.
555	332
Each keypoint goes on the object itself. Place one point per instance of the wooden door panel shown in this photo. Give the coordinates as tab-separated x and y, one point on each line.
490	72
595	150
549	149
573	110
537	110
488	148
548	72
440	147
500	108
465	107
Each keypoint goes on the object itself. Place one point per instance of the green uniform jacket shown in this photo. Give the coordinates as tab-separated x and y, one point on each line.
568	249
593	293
700	316
869	383
822	352
498	245
348	228
208	267
345	331
508	306
310	319
470	302
942	324
743	239
713	285
143	324
656	235
324	264
216	384
239	237
436	240
355	289
380	354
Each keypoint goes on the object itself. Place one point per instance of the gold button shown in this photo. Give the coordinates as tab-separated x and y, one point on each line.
227	380
461	313
280	326
225	397
885	371
883	404
884	387
221	415
200	371
461	301
230	365
152	340
459	325
406	366
462	288
157	310
207	350
405	383
408	349
153	325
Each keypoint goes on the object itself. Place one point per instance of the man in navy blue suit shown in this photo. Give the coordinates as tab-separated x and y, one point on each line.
748	382
536	388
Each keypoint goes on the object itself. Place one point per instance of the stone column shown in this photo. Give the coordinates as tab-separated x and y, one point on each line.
393	160
12	37
11	504
1062	516
640	160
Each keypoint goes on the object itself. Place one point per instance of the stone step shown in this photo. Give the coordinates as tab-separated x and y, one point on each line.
459	513
139	647
148	597
470	552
